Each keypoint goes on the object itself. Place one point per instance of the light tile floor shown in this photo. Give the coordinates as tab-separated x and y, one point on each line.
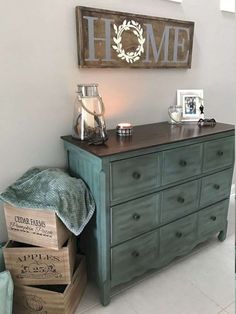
201	283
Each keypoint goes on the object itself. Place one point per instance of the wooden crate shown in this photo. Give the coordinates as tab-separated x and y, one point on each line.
51	299
30	265
37	227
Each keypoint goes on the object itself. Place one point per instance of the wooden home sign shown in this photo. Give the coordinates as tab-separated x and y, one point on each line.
116	39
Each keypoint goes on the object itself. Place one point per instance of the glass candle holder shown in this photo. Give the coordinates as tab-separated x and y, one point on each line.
175	114
124	129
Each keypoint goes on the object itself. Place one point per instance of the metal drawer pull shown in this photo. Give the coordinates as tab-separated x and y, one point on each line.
213	218
136	216
220	153
216	186
136	175
179	234
183	163
180	199
135	254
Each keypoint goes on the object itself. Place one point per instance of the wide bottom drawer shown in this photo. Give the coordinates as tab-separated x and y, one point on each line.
133	258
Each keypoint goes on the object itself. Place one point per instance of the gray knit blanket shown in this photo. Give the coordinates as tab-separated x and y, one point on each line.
53	189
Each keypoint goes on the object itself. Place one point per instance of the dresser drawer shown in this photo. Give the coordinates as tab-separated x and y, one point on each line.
133	258
134	217
218	153
181	163
180	201
178	236
212	219
215	187
134	176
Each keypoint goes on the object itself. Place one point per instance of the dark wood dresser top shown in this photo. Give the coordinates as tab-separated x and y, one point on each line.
149	135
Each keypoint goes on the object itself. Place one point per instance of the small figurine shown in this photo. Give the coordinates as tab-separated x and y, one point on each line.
201	108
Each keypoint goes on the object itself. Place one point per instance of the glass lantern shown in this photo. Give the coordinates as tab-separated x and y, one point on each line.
88	121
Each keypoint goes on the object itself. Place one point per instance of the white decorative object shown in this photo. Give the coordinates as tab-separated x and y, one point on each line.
132	56
227	5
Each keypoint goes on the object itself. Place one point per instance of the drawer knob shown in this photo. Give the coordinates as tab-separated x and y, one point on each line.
220	153
216	186
179	234
135	254
136	175
136	216
180	199
213	218
183	163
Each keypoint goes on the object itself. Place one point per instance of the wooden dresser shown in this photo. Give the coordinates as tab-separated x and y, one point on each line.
158	194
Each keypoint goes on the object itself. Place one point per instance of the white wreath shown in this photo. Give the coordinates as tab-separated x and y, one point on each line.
129	57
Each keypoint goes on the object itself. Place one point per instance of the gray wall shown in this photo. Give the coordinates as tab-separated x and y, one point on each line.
39	73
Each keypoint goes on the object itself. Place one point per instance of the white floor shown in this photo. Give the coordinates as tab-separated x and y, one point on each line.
200	283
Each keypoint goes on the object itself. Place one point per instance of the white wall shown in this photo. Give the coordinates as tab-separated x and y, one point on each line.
39	73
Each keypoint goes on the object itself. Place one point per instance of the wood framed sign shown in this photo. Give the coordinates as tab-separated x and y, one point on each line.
118	39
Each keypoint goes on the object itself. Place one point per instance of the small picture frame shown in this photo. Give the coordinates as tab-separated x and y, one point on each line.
190	100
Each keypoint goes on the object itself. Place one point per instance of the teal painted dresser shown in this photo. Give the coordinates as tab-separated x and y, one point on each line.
158	194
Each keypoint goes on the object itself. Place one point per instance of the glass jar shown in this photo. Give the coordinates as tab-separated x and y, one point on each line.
175	114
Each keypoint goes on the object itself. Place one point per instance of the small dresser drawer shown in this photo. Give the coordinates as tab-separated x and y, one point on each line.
218	153
133	258
181	163
180	201
178	236
134	176
212	219
134	217
215	187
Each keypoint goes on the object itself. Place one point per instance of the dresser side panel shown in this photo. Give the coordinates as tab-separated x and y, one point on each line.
95	239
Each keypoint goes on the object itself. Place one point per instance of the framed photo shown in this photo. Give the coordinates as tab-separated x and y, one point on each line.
190	101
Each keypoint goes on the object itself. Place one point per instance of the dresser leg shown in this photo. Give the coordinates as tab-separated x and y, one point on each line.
105	295
222	234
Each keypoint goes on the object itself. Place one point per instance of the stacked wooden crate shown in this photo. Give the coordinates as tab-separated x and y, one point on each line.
41	256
